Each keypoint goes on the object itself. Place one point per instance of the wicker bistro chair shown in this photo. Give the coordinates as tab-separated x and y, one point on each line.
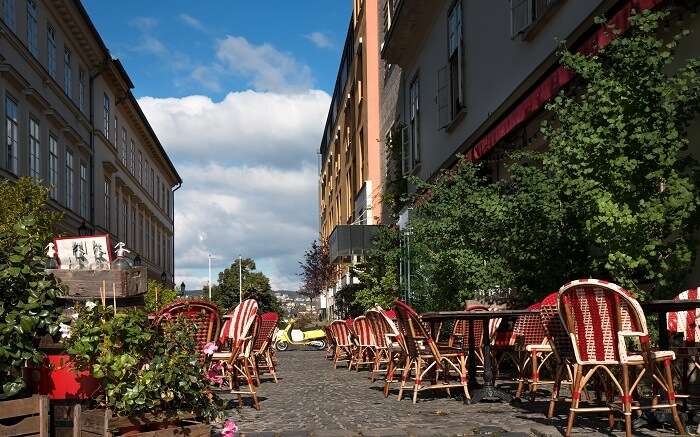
460	333
687	325
424	355
365	344
529	350
203	313
330	343
262	346
343	342
600	317
386	347
239	331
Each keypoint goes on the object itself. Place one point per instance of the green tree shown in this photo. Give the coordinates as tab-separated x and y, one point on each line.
618	153
255	286
317	272
378	273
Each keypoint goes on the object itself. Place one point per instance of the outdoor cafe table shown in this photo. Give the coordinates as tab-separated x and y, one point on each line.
662	307
488	390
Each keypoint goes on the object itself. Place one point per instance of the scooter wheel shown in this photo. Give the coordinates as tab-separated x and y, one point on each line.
282	346
321	344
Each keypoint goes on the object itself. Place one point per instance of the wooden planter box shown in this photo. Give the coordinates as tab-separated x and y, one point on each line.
27	417
87	283
94	423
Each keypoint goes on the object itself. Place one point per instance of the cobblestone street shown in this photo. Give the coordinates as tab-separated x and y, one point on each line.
313	399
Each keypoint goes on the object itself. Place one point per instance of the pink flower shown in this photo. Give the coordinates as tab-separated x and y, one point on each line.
210	348
215	374
230	428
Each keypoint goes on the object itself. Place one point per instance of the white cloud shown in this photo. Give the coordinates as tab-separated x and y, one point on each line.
247	126
320	40
191	22
250	178
143	23
268	68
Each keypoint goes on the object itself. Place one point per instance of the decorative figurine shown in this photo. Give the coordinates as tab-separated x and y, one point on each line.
51	255
121	262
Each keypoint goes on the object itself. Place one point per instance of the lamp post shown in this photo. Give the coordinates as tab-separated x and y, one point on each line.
209	283
137	261
182	288
163	277
83	230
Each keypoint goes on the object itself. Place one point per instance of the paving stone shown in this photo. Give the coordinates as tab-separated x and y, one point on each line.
313	399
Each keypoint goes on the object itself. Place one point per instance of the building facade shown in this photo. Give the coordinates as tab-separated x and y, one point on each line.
72	122
350	179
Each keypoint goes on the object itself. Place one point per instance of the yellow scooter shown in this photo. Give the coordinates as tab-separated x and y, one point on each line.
315	338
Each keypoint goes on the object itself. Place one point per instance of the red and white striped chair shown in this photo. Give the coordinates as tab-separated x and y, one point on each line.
343	342
239	331
365	343
600	317
384	339
460	333
423	356
203	313
262	347
686	324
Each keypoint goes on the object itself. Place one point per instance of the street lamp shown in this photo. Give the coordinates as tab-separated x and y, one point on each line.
182	288
137	261
83	230
163	277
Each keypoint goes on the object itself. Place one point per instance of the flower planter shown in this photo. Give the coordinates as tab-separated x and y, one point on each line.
25	416
100	422
59	380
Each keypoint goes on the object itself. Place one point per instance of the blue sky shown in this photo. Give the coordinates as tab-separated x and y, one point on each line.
189	31
237	92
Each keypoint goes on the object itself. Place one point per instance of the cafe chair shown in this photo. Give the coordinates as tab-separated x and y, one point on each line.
262	346
600	318
365	344
460	333
686	324
343	342
204	314
381	332
424	356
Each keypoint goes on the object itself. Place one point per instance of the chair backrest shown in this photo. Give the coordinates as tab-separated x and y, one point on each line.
263	338
528	329
554	328
341	333
380	327
363	331
238	323
416	339
460	329
685	322
203	313
594	313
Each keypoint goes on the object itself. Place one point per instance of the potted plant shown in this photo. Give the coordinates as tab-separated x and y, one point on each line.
152	377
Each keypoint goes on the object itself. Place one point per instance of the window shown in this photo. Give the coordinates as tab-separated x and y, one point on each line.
132	157
410	141
83	190
454	53
125	220
139	168
81	89
32	34
140	238
108	203
153	182
9	13
118	222
388	15
525	13
53	167
51	50
105	116
67	73
11	128
144	173
148	239
134	234
158	192
34	150
123	151
69	179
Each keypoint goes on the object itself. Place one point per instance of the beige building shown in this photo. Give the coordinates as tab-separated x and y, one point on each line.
72	122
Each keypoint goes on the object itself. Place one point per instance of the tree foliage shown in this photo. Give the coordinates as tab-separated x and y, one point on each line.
158	295
317	272
255	286
28	305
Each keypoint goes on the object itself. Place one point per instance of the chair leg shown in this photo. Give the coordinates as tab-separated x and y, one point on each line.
672	396
404	376
389	376
626	400
558	375
463	376
335	356
417	382
271	366
251	387
535	373
575	395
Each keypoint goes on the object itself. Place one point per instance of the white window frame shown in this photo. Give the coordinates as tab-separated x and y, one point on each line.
53	166
34	149
132	157
11	133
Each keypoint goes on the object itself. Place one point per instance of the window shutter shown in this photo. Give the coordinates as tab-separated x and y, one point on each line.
406	158
520	15
443	97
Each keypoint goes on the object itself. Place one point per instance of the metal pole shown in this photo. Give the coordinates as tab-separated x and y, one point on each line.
209	283
240	279
408	266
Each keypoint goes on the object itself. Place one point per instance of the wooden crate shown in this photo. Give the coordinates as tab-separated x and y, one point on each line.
101	423
87	283
27	417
